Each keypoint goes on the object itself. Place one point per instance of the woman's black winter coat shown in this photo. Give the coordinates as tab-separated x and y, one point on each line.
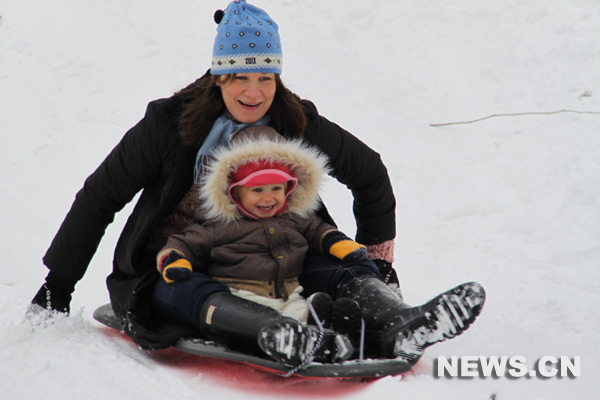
152	158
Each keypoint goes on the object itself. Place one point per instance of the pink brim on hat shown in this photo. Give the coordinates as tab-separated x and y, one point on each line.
261	178
266	177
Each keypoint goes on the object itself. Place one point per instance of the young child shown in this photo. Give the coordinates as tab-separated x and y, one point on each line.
259	199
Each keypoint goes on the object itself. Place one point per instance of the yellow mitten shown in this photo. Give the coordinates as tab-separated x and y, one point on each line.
173	267
341	246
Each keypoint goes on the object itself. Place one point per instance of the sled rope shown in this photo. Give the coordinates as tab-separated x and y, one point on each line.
361	349
311	354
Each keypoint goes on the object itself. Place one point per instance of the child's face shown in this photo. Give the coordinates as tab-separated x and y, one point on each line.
261	201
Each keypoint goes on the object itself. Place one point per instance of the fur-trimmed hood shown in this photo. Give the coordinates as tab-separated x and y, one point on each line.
263	143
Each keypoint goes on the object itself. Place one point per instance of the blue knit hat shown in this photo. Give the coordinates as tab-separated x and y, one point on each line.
247	41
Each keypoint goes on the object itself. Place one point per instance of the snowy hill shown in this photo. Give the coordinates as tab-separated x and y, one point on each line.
511	201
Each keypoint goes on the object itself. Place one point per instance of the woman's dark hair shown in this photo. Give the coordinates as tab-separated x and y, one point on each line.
203	104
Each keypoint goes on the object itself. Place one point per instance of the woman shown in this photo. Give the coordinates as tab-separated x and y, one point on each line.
164	156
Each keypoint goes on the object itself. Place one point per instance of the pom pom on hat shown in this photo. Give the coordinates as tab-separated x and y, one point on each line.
219	16
247	41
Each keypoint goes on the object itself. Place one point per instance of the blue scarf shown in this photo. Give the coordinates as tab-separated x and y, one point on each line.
219	135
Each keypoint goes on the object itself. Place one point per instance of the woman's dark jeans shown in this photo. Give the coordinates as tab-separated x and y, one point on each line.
330	275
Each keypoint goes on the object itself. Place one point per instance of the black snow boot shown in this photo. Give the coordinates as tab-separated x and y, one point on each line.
322	303
346	318
294	343
254	328
394	329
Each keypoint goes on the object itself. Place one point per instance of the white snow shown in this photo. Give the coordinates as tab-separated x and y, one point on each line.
510	202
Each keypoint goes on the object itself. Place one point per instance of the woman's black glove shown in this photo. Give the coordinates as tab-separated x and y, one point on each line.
387	271
55	294
52	298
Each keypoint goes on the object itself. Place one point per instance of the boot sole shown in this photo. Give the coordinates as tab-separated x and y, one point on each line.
291	344
446	316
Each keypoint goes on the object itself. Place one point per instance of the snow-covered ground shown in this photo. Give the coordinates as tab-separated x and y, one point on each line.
511	202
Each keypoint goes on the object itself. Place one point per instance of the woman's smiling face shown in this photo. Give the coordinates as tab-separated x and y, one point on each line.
248	96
